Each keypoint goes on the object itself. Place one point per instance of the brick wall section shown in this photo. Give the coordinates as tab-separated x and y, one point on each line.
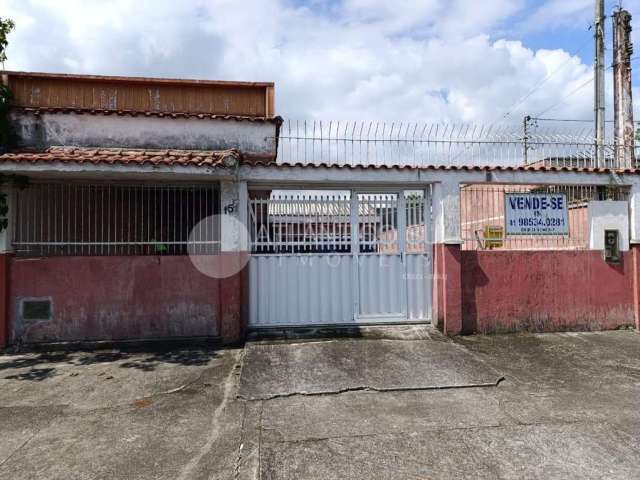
547	291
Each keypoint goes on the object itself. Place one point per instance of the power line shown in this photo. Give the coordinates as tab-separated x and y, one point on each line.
544	80
582	85
571	120
579	87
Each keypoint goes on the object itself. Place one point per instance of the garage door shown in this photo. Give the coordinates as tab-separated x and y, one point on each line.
339	257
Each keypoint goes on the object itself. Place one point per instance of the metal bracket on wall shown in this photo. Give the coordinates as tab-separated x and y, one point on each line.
616	178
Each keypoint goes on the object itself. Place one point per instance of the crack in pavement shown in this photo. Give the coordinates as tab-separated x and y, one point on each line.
236	472
31	437
18	448
369	388
302	441
260	430
214	431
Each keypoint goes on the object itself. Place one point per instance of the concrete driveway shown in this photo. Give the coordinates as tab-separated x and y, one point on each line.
431	408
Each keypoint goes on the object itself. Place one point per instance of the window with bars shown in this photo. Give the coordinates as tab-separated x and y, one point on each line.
70	219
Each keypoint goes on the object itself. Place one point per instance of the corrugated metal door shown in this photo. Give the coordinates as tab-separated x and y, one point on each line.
345	258
300	290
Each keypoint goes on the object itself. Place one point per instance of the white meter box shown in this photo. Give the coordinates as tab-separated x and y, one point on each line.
536	214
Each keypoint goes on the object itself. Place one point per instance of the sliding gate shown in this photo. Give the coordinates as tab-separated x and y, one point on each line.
339	257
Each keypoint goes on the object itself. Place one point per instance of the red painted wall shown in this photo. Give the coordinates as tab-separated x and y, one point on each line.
447	296
5	262
105	298
111	298
545	291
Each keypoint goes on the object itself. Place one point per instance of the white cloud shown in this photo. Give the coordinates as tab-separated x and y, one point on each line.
355	59
560	13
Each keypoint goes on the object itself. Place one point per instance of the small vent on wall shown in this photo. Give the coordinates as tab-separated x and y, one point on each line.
36	309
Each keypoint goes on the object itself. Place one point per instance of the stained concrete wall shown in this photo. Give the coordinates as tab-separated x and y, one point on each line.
111	298
124	131
608	215
545	291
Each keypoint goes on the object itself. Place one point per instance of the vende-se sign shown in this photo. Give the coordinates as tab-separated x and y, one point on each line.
536	214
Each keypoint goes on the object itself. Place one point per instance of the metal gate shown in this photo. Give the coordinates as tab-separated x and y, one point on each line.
339	258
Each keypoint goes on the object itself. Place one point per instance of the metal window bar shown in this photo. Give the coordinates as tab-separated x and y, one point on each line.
378	223
304	222
482	215
75	219
300	222
416	241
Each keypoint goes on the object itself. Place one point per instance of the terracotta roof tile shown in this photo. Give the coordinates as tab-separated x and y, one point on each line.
135	113
469	168
110	156
213	158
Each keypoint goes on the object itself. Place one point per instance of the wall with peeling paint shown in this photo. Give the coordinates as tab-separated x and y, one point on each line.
112	298
545	291
114	131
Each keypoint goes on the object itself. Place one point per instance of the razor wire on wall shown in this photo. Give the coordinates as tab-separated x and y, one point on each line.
425	144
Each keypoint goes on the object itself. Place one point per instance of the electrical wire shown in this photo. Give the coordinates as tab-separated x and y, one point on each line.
544	80
575	90
574	120
579	88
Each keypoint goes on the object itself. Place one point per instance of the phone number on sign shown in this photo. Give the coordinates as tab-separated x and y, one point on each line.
538	222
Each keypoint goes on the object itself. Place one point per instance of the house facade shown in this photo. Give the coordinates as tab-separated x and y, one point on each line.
145	208
110	183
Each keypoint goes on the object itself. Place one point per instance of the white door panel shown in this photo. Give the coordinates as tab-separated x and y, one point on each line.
382	290
318	262
300	290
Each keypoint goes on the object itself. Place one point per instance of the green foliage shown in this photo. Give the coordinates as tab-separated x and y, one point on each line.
17	181
158	248
5	28
6	25
6	132
4	210
6	136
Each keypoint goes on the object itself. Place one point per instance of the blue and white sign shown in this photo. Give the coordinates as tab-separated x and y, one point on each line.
536	214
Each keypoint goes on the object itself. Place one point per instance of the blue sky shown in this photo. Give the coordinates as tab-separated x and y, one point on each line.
473	61
574	33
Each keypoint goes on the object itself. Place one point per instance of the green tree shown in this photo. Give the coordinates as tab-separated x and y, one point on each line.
5	28
6	25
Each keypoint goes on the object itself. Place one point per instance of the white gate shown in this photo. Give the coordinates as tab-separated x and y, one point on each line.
339	258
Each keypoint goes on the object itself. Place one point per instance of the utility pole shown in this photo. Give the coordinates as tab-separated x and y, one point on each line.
622	101
598	66
525	138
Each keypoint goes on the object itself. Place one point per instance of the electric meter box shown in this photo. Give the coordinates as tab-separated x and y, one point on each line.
612	246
